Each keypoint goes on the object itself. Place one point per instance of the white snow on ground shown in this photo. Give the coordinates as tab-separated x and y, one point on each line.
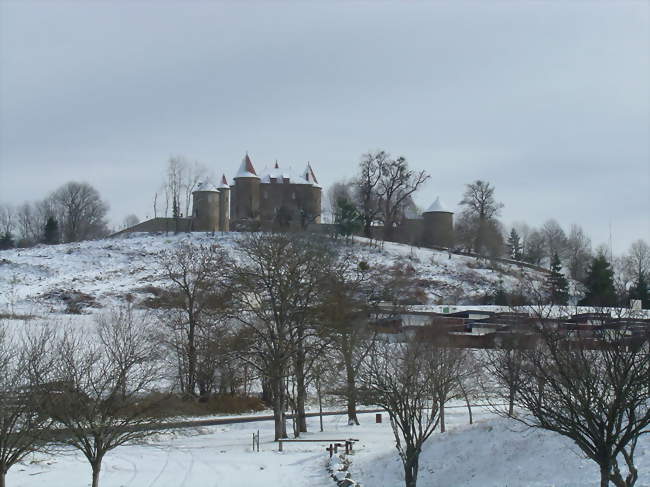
492	452
111	268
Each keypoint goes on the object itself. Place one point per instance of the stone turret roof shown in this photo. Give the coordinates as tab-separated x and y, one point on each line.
224	183
246	170
205	186
437	207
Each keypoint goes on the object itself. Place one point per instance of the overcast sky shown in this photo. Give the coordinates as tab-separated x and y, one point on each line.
548	101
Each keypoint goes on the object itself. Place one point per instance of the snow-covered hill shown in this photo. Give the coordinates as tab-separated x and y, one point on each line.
96	273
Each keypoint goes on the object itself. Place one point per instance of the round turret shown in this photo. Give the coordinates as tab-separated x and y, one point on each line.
438	225
245	193
205	208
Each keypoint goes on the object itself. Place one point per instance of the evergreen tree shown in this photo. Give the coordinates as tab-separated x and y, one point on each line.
7	241
51	232
515	249
640	291
347	218
600	284
557	287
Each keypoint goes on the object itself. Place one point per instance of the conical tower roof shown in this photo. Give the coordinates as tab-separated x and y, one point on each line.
224	182
246	170
437	207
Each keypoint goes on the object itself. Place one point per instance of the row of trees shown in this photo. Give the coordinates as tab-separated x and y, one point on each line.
87	391
281	310
592	387
73	212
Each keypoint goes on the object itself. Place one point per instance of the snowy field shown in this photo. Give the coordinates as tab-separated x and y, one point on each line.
31	280
493	452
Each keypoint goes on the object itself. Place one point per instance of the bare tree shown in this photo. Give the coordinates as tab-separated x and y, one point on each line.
637	260
593	390
397	185
80	211
578	253
126	337
181	179
534	248
403	379
99	399
7	219
366	185
480	214
25	366
555	239
196	274
276	294
348	303
502	371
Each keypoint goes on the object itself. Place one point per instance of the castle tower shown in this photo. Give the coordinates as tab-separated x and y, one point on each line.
205	208
313	206
245	193
438	225
224	205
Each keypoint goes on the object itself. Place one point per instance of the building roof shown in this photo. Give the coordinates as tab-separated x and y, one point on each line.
309	176
282	175
437	207
246	170
205	186
224	182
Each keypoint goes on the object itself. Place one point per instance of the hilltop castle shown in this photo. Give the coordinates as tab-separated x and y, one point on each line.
278	199
275	199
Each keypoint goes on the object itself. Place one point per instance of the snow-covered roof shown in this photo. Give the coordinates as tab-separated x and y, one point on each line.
224	183
205	186
437	207
282	174
246	170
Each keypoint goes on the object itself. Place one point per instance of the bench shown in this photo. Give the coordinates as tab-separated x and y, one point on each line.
334	445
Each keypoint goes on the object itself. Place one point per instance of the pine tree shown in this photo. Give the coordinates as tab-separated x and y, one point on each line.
640	291
7	241
557	287
600	284
515	249
347	218
51	232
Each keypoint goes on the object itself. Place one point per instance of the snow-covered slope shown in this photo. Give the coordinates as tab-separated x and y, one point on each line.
105	270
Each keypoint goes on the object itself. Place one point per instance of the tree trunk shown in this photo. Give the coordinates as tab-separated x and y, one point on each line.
3	474
96	469
301	389
320	403
301	393
351	390
511	402
191	358
411	470
604	476
466	396
442	416
278	408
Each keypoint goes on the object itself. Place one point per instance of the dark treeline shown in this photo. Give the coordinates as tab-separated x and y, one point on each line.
72	213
